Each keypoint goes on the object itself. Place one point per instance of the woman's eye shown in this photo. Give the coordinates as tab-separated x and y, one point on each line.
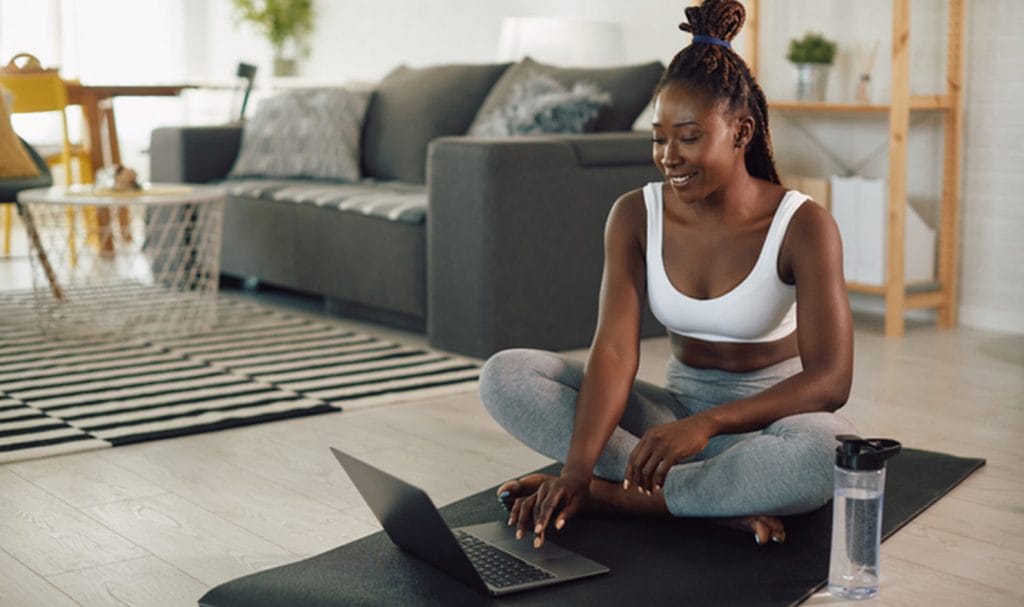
658	141
689	139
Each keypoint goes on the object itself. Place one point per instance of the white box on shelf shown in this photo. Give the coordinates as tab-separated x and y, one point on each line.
859	206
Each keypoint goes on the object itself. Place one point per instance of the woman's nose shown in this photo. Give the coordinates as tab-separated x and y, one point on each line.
669	156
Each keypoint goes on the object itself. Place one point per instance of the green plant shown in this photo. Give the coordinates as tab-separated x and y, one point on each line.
278	20
812	48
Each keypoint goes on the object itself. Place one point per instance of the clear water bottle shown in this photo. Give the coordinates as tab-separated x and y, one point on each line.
857	515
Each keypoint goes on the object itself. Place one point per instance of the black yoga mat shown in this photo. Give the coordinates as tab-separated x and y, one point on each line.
675	561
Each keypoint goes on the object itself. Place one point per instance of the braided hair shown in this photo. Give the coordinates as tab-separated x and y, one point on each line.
717	71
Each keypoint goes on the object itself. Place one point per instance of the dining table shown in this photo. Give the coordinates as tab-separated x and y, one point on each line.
97	103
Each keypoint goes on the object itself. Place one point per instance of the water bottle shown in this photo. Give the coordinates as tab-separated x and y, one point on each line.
857	515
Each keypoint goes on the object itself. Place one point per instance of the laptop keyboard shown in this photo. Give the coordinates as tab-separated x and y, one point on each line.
497	567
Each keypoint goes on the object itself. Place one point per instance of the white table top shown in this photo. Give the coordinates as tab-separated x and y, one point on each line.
150	194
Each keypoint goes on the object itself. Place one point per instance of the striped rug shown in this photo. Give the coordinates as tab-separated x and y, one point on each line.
256	365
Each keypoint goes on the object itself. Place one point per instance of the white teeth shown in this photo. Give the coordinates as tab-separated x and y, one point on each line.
681	181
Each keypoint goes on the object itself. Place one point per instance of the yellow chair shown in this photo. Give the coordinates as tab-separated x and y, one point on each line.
34	90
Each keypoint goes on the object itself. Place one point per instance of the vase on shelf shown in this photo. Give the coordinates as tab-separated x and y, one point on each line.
811	81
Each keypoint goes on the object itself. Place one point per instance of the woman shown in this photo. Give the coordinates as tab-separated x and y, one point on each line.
747	277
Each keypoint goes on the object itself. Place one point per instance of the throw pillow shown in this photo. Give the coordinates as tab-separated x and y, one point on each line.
411	107
630	87
541	104
14	158
304	133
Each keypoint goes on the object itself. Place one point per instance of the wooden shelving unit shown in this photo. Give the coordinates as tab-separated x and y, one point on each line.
899	297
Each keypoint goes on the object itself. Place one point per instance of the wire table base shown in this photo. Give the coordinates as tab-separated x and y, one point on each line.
110	267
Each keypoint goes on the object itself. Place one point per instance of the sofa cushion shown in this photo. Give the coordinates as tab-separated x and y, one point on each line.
14	159
392	201
411	107
541	104
304	133
630	87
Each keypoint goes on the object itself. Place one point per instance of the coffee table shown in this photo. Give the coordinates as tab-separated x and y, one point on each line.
153	273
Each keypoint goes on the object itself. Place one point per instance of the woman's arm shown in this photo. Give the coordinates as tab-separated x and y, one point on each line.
608	374
812	255
615	352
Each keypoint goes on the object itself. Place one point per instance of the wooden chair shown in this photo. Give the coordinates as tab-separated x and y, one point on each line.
36	89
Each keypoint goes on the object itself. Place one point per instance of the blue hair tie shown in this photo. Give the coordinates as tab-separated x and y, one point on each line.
711	40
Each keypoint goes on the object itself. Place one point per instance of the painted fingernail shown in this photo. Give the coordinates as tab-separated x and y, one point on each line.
537	542
625	484
559	524
776	539
519	534
757	538
538	529
657	487
504	495
510	521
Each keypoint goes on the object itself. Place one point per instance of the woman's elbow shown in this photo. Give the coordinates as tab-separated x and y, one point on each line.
836	391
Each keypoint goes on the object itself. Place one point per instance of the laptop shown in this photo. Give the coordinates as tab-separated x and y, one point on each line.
486	557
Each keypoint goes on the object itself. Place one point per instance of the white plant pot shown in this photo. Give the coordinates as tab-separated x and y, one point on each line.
284	67
811	81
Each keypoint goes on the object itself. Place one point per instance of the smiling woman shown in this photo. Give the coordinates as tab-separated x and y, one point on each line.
748	280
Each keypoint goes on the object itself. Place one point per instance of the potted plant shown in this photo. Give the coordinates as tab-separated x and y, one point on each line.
812	55
285	23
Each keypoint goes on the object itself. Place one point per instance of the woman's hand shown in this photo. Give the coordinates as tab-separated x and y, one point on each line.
661	448
557	498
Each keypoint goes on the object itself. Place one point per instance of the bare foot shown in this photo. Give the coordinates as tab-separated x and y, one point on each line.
765	528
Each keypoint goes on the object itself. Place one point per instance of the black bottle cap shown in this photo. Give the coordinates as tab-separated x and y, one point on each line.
856	453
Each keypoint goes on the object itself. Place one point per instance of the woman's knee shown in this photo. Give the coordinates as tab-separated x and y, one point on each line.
504	369
810	439
512	376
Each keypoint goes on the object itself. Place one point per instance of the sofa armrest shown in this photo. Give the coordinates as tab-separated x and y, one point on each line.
515	237
195	154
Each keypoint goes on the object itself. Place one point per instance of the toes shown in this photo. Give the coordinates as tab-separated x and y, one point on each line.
762	533
767	529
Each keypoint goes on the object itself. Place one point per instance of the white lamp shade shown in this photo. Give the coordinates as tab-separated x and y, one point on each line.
562	41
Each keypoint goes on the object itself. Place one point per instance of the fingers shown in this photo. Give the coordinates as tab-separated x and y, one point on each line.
509	487
642	470
522	515
548	500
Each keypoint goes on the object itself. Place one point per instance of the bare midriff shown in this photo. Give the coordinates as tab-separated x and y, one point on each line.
733	357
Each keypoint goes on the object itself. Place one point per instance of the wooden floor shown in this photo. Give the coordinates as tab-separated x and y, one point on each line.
160	523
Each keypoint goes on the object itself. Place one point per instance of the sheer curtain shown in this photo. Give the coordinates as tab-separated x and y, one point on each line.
103	42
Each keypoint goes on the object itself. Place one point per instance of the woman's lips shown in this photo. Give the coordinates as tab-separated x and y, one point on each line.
680	181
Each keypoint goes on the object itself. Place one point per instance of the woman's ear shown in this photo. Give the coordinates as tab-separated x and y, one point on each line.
744	130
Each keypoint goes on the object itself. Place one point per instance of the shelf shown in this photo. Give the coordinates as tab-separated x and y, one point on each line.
942	293
917	290
925	103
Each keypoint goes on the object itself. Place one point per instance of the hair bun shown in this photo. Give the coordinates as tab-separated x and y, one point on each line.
721	19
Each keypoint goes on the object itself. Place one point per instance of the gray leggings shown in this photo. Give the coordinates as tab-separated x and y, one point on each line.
784	469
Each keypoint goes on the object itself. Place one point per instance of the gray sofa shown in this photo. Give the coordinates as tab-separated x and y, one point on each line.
483	243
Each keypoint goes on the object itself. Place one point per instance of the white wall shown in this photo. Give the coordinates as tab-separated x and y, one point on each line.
363	40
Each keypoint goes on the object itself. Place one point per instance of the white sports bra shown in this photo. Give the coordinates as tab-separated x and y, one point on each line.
761	308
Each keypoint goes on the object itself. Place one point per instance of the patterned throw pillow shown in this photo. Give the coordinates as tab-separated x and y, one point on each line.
304	133
541	104
14	160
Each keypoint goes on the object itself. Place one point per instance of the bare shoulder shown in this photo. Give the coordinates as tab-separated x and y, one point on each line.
812	242
628	216
812	226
